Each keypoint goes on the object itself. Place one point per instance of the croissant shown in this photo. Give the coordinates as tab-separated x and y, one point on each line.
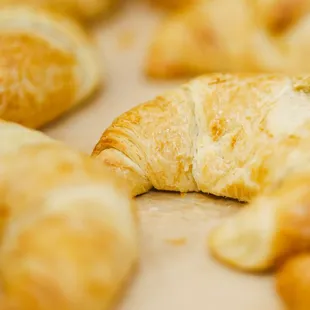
241	136
82	10
68	231
232	36
48	65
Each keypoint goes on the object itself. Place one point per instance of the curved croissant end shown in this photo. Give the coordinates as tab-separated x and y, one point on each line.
82	10
235	136
151	145
273	228
48	65
232	36
68	232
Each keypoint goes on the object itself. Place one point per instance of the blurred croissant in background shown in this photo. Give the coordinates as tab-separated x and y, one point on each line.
233	36
83	10
48	65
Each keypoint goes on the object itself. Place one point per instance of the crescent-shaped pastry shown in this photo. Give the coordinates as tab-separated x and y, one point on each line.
82	10
68	228
245	137
232	36
48	65
209	135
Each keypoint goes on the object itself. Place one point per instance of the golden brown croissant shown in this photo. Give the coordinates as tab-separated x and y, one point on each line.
83	10
239	136
47	66
232	36
68	232
208	135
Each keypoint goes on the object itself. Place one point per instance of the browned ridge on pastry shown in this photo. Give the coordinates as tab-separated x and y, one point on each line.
47	65
239	136
172	4
232	36
82	10
68	228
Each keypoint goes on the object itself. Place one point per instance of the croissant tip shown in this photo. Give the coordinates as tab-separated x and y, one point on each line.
216	245
232	249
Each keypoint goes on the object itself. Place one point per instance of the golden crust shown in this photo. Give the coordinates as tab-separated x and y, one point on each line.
47	66
27	87
68	229
137	135
82	10
232	36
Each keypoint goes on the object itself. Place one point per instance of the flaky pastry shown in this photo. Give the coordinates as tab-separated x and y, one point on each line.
242	136
68	227
232	36
48	65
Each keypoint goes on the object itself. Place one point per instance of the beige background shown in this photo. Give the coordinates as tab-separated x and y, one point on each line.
176	272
